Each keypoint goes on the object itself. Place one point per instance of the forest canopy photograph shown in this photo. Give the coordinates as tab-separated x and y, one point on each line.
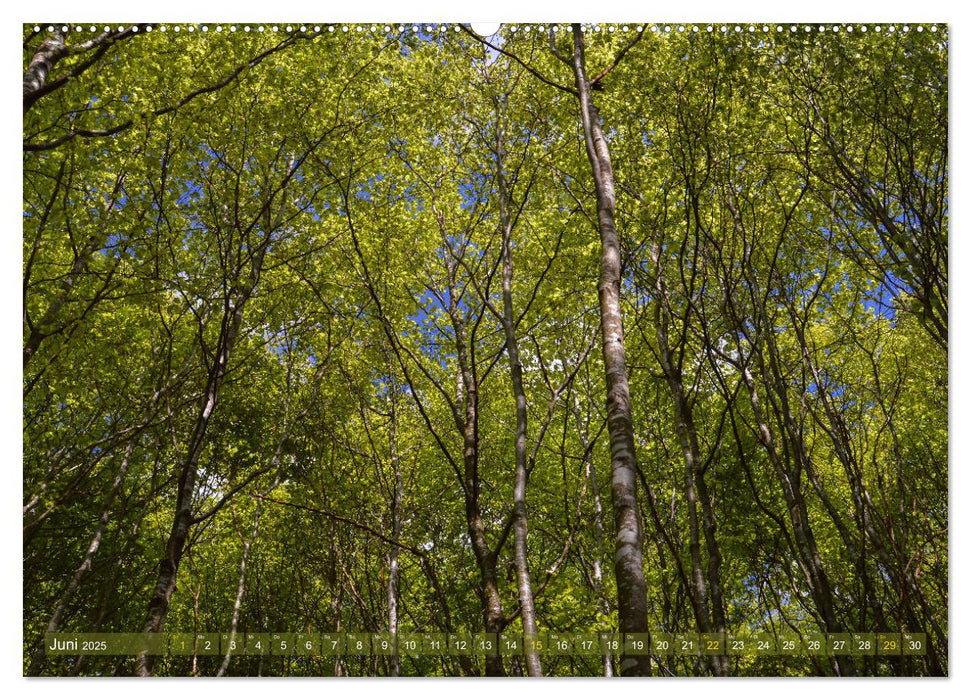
561	350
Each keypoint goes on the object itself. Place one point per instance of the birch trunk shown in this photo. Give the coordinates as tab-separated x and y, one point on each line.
597	564
50	52
628	557
396	526
527	610
485	558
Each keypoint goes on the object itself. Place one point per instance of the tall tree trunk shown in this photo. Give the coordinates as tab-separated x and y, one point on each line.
51	50
396	525
591	473
484	556
465	415
244	558
168	568
240	591
706	584
628	559
235	264
527	609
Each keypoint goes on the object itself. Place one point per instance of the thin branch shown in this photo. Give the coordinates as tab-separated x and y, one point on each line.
98	133
520	61
620	55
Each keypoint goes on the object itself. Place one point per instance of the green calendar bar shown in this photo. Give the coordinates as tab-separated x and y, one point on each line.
586	643
357	643
712	643
864	644
888	644
332	644
306	644
256	644
559	643
686	643
485	643
434	643
913	643
460	644
611	643
510	643
637	644
104	644
383	644
410	643
282	644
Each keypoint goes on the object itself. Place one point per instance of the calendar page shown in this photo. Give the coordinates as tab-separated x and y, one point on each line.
435	349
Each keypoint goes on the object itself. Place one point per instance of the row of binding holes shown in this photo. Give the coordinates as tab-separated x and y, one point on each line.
656	28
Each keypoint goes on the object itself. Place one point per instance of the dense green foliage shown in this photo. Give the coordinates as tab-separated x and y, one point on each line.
257	265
